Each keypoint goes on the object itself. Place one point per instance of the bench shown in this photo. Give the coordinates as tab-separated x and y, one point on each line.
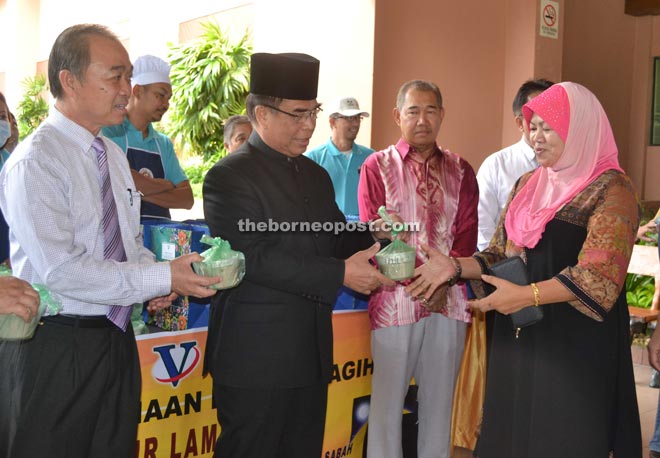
642	315
639	320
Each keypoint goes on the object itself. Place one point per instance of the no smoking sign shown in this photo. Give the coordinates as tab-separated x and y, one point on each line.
548	26
549	15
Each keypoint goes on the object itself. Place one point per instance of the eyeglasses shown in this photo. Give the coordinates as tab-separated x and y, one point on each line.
356	118
301	116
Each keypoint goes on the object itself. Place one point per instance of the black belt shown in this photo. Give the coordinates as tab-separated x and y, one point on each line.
79	321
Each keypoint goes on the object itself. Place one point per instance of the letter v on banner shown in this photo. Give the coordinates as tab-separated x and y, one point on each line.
177	363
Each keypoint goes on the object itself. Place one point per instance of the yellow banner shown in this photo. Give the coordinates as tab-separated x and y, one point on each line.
349	391
178	419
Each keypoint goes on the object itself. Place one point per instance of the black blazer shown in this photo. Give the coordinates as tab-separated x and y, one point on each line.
275	327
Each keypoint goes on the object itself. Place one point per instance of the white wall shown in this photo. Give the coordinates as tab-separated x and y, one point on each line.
339	33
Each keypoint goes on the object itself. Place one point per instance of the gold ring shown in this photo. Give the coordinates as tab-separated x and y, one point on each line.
424	301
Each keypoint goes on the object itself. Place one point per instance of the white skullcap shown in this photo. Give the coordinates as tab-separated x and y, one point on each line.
150	69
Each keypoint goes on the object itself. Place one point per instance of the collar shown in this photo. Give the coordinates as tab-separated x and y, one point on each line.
128	125
75	132
527	150
334	150
257	142
404	148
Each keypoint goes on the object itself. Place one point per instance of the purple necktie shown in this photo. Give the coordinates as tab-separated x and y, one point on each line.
113	246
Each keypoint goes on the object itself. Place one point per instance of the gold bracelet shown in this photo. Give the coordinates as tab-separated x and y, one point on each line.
537	296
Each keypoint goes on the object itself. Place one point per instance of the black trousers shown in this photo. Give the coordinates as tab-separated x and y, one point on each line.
70	392
270	422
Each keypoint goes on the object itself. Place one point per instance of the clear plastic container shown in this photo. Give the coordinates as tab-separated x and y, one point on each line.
396	265
13	327
231	270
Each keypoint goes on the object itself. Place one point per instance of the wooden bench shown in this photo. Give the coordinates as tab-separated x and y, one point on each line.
639	320
641	314
644	260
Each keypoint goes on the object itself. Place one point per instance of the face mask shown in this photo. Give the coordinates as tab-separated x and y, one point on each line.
5	132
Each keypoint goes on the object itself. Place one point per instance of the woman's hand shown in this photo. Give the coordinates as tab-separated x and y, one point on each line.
158	303
648	227
507	297
430	276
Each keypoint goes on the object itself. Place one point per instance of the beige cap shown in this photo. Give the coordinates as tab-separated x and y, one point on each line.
347	106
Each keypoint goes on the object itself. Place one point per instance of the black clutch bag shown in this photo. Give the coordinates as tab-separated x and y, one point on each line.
513	269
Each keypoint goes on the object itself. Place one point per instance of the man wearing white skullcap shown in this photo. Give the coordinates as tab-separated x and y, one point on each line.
156	170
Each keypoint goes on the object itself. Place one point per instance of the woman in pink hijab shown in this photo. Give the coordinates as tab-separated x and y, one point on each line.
562	387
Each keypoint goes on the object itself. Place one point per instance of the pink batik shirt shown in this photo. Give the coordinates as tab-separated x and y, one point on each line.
441	195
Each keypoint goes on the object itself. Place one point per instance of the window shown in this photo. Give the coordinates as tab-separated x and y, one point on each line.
655	113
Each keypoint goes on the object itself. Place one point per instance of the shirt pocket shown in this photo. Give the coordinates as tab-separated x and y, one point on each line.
133	201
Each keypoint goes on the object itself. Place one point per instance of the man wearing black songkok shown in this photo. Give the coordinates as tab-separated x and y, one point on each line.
269	347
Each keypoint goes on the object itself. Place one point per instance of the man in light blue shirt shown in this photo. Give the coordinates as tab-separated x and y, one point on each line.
154	165
340	156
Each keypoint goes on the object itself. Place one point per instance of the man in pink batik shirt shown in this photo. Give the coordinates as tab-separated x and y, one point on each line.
423	184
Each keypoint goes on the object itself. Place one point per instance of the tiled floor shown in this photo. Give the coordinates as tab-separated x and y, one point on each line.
647	399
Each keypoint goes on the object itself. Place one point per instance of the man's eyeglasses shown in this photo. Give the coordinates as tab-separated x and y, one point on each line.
356	118
299	117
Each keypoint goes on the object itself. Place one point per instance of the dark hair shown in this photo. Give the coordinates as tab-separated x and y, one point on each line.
232	122
418	85
254	100
71	52
528	88
2	98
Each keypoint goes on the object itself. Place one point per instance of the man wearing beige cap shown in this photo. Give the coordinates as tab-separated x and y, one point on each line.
340	156
155	168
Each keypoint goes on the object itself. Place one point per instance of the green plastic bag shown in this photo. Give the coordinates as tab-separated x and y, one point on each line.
396	227
14	328
397	260
139	326
221	261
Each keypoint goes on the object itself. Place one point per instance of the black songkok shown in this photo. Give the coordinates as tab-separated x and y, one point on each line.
292	76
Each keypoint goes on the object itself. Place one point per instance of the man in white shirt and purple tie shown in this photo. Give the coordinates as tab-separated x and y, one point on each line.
74	389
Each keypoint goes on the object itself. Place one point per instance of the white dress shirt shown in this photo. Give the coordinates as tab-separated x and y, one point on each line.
50	195
496	177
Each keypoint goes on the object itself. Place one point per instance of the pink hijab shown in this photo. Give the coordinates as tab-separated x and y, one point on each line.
579	119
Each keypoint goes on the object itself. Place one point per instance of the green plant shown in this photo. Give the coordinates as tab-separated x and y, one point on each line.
196	169
639	290
32	109
210	81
